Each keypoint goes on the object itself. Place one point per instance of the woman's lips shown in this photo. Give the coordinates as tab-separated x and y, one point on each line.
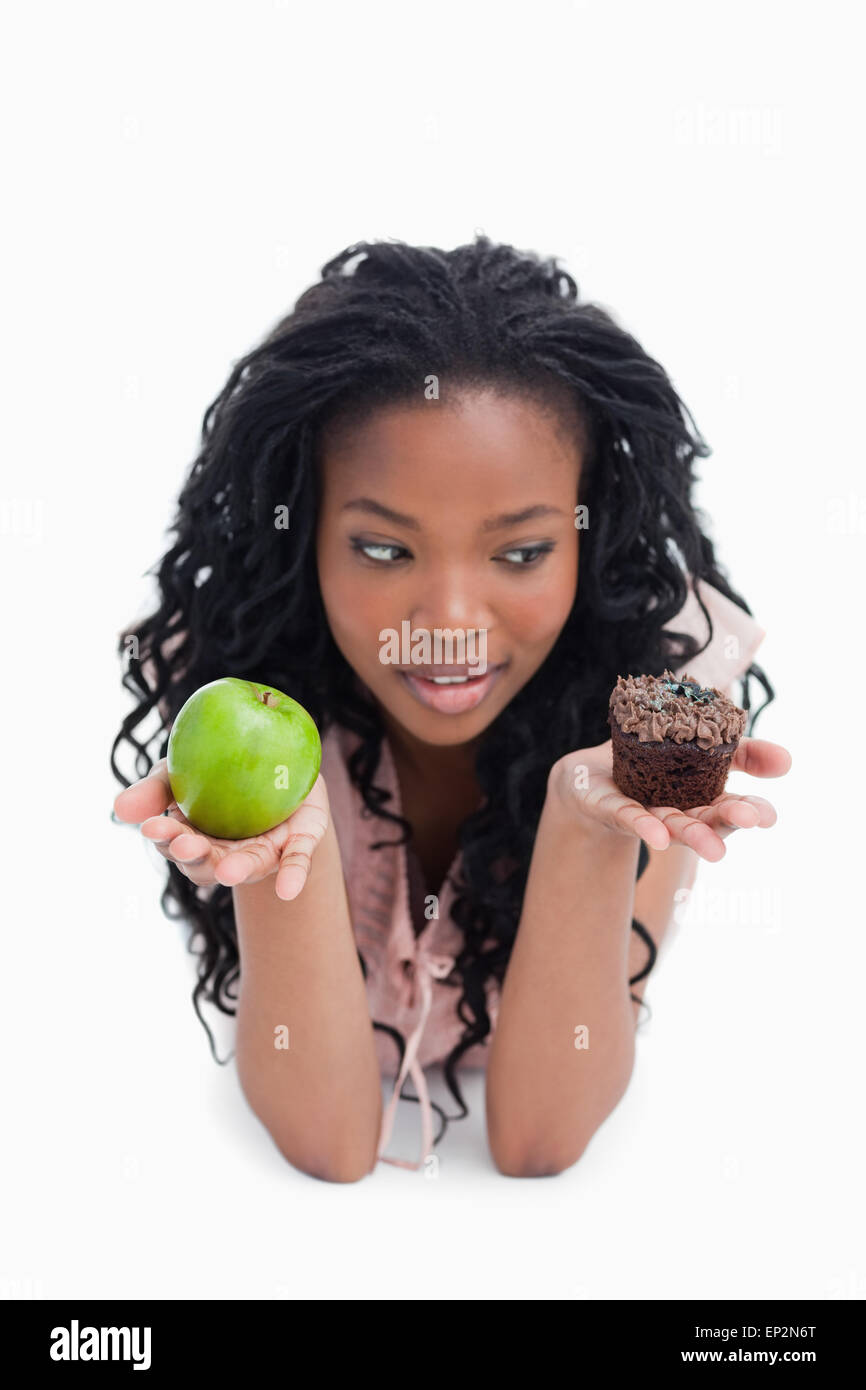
452	699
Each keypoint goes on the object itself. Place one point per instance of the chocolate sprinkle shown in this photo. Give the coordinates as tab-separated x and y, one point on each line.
690	690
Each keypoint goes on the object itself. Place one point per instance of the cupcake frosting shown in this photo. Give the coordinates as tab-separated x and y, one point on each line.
668	706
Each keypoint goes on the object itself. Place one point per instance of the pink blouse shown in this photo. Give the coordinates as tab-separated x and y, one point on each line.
404	972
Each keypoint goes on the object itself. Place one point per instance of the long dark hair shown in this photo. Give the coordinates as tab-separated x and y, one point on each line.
240	596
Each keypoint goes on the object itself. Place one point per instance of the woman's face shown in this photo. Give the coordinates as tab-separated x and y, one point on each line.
458	517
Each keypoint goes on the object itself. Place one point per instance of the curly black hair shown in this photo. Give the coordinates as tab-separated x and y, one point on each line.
239	595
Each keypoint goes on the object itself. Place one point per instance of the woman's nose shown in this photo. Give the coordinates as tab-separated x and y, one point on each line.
451	601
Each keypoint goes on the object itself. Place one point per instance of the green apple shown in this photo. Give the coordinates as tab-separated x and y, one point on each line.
241	758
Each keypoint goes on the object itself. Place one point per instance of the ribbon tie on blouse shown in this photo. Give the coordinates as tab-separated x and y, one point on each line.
423	969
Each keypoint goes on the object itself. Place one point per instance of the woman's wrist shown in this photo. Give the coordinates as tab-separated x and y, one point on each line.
584	839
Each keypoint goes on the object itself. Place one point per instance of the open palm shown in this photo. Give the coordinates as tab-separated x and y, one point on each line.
584	781
285	851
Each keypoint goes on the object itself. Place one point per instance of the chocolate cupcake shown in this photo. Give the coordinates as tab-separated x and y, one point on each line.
673	739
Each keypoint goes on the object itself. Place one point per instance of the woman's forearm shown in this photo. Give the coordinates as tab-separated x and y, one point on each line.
301	982
562	1052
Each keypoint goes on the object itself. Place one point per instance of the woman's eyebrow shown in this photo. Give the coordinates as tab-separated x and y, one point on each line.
493	523
498	523
366	504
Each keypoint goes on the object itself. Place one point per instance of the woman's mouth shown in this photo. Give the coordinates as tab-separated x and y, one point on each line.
453	691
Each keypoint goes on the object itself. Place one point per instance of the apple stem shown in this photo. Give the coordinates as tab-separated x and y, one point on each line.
268	699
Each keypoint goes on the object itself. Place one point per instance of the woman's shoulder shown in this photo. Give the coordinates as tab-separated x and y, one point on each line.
344	798
736	636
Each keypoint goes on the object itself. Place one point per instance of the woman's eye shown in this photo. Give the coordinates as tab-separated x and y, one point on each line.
529	554
379	551
387	553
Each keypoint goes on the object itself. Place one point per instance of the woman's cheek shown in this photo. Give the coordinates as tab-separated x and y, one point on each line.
537	618
538	624
357	616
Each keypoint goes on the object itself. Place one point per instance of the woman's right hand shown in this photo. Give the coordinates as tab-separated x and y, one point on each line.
286	850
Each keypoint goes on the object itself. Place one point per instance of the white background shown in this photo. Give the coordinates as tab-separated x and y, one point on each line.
174	176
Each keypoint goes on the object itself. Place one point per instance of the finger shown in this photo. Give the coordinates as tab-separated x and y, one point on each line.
189	848
693	833
621	813
198	871
290	880
295	864
742	812
306	830
253	860
162	830
178	845
760	758
148	797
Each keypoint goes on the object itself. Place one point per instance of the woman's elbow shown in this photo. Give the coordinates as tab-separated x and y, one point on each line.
330	1157
538	1164
326	1168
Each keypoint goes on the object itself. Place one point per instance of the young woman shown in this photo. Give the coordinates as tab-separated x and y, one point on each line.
457	443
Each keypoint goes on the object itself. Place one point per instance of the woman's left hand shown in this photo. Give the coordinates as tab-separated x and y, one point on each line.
583	781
